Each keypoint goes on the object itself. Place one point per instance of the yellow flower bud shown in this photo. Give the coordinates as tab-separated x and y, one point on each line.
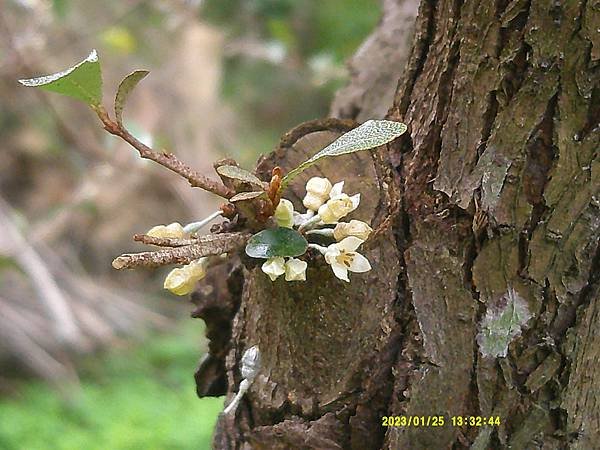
178	282
356	228
173	230
197	269
284	213
182	280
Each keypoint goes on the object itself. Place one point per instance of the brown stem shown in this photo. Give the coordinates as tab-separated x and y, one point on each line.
219	244
167	160
174	242
163	242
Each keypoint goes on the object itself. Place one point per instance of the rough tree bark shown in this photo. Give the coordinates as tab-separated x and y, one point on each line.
492	197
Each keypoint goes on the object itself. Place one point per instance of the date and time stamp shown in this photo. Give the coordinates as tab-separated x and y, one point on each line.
440	421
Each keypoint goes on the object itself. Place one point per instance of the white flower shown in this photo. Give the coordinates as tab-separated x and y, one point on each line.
338	207
343	258
274	267
182	280
295	270
284	213
173	230
356	228
317	192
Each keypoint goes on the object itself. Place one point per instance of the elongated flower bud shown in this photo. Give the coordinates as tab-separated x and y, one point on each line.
173	230
182	280
284	214
356	228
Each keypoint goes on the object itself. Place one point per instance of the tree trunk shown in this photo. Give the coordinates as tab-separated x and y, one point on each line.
484	297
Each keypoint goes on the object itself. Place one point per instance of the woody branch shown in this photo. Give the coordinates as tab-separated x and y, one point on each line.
168	160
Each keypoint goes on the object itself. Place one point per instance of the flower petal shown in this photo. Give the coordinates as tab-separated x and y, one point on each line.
359	264
295	270
300	219
178	282
349	244
336	189
355	201
197	269
274	267
331	254
340	271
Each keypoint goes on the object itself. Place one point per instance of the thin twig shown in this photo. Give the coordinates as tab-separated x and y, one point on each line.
174	242
163	242
168	160
221	243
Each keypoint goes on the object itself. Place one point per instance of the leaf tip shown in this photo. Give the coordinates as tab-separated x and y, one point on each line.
93	56
82	81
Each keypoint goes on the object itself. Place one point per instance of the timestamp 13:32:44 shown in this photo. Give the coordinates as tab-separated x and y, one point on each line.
440	421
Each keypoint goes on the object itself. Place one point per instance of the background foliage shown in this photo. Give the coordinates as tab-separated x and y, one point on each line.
132	398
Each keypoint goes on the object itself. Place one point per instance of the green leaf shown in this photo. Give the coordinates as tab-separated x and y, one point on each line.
276	242
369	135
127	85
246	196
237	173
501	325
82	81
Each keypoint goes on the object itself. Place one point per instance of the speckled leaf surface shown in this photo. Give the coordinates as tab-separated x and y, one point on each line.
82	81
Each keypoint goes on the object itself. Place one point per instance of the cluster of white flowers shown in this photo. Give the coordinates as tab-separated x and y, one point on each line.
294	269
326	204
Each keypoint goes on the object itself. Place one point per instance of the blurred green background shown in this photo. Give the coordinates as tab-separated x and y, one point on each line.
91	358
